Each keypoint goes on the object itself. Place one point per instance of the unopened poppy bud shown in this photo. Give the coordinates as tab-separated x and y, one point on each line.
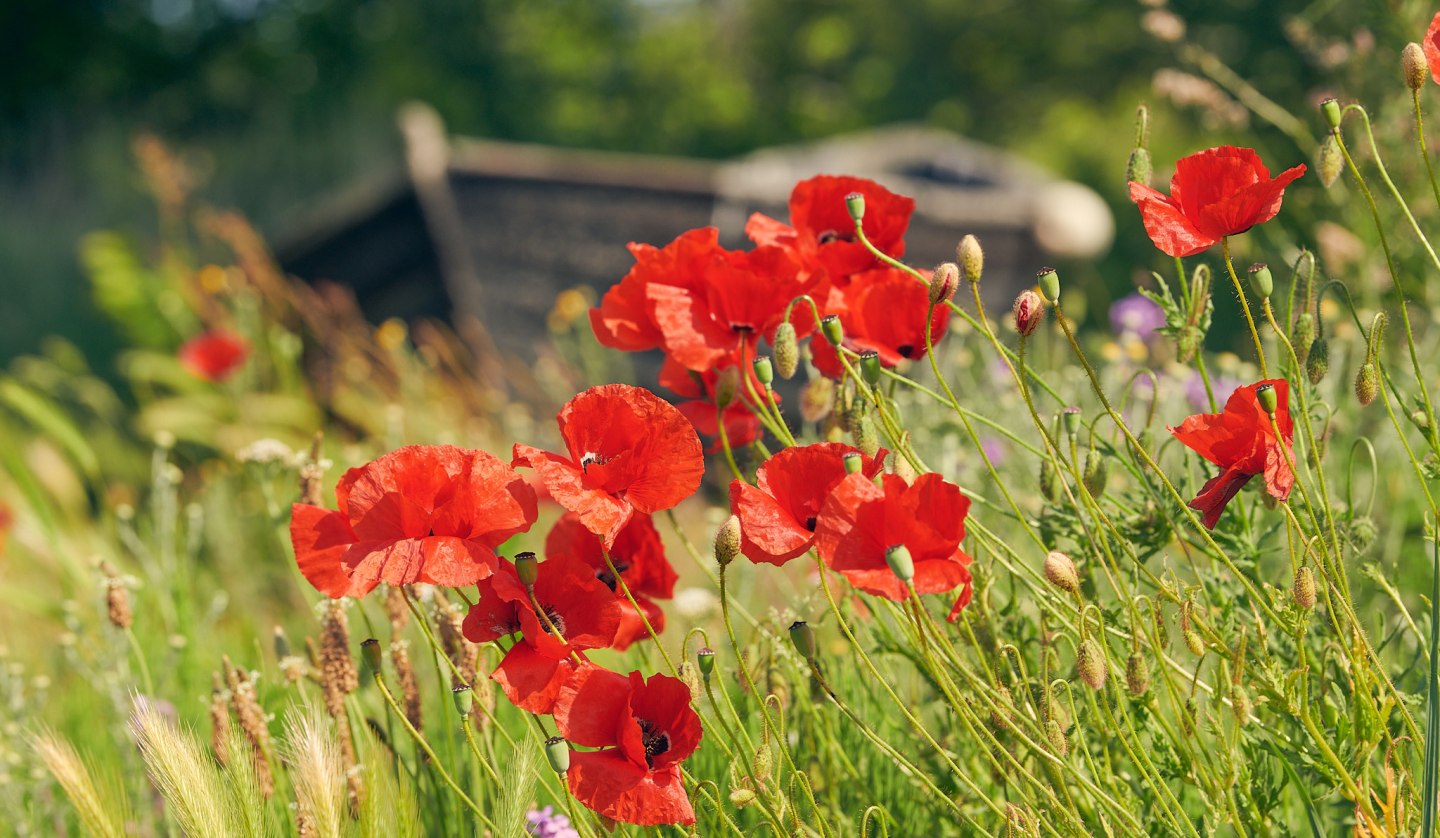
1060	572
1367	383
1029	312
1240	704
804	639
370	656
834	331
971	259
727	382
1421	419
943	282
1137	674
1096	473
764	372
527	569
464	699
1413	65
1331	109
1329	161
870	367
866	439
557	751
1302	336
1090	663
1304	588
1049	484
1055	734
1261	282
1049	282
786	350
1070	420
1265	395
900	561
855	205
705	660
1319	361
1137	168
727	541
741	797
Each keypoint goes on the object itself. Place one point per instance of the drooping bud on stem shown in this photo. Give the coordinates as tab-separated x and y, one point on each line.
943	282
1138	168
1137	674
1367	383
727	541
1060	572
1029	312
1318	362
1261	281
1329	161
971	258
786	350
1413	65
804	639
900	561
1304	588
727	383
1090	664
1055	734
1096	473
1193	641
1302	336
1049	282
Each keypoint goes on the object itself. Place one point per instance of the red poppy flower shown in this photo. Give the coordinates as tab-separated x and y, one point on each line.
1215	193
860	522
625	319
1243	444
883	311
644	730
629	451
422	513
778	514
214	355
1432	47
638	554
742	426
581	609
823	235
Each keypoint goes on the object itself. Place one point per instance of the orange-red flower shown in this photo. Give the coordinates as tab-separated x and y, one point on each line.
1431	43
1215	193
422	513
885	311
214	355
628	451
638	555
625	319
1242	442
823	235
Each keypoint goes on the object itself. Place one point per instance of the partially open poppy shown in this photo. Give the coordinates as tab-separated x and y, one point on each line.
1242	442
625	319
422	513
214	355
823	234
638	555
629	450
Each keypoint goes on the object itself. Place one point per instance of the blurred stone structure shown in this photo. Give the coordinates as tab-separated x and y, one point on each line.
494	231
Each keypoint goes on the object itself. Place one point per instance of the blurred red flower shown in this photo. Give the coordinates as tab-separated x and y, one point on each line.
214	355
1243	444
625	318
638	555
860	522
823	235
778	514
1431	43
644	730
1215	193
422	513
629	450
883	311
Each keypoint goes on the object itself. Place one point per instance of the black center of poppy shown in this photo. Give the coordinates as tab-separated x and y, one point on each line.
742	328
555	619
905	350
829	236
430	534
604	574
656	742
592	459
810	523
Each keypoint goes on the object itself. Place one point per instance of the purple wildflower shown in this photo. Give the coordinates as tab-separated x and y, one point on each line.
545	823
1137	315
1195	390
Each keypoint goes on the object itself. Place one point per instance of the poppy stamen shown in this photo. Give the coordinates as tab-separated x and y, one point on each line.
656	742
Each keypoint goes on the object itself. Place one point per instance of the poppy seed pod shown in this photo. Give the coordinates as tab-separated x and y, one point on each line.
1049	281
786	350
727	541
1413	65
870	367
1302	336
855	205
705	660
1070	420
900	561
943	282
557	751
1329	161
370	656
1060	572
1138	168
854	461
1269	401
804	639
1331	110
971	258
1367	383
1029	312
527	568
764	372
1319	361
1090	664
740	798
1304	588
1261	281
834	332
1137	674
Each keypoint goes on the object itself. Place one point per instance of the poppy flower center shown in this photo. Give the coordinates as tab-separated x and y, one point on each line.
742	328
554	620
905	350
604	574
828	236
810	523
656	742
591	458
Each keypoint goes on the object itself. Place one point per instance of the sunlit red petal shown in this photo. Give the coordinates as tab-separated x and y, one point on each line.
610	784
530	680
321	539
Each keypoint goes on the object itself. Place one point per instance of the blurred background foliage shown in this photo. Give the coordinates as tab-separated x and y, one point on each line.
275	103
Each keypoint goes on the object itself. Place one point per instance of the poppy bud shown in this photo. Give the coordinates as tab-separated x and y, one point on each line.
727	541
870	367
1413	65
282	644
853	462
764	372
1070	418
1049	483
740	798
971	259
1265	395
464	699
943	282
705	660
527	568
804	639
1137	168
1090	663
557	750
1187	342
1302	336
1261	282
1060	572
865	437
1329	161
1421	419
900	561
1319	361
1193	641
1137	674
370	656
1095	474
764	763
1331	109
1029	312
1049	282
855	205
1240	704
786	350
727	381
1304	588
1367	383
834	332
1056	736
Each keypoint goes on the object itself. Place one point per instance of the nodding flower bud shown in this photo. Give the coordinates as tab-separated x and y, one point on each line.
727	541
1413	65
943	282
1367	383
786	350
1090	663
804	639
464	699
971	258
1331	109
854	461
1420	418
1138	168
1265	394
900	561
705	661
370	656
1304	588
527	568
1055	734
1319	361
855	205
833	330
727	382
1261	282
1049	282
1070	420
1302	336
1029	312
870	367
557	751
1137	674
1329	161
1060	572
764	372
1095	474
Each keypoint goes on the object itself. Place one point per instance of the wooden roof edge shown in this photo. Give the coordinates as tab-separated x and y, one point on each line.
496	158
338	211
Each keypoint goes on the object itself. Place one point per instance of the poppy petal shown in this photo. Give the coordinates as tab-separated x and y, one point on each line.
610	784
321	539
530	680
1166	225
